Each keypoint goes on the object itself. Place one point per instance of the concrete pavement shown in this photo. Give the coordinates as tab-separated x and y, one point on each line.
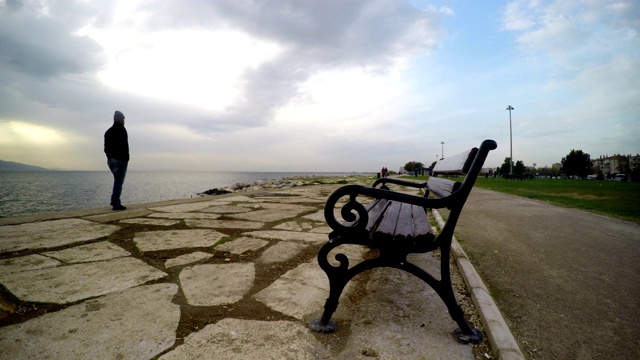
567	281
224	277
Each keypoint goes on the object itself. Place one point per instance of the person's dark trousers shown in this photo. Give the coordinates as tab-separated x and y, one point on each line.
119	170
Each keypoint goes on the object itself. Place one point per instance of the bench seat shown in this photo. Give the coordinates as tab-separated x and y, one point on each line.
405	224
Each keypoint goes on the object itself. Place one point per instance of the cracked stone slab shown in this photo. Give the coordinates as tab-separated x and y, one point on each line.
186	259
236	339
289	200
118	215
322	229
316	216
224	224
26	263
216	284
100	251
289	236
300	293
65	284
282	251
181	215
278	206
242	245
137	323
49	234
176	239
267	215
145	221
294	226
319	216
227	209
233	199
189	207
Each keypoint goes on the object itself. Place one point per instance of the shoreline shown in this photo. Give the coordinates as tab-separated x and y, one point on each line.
286	182
95	195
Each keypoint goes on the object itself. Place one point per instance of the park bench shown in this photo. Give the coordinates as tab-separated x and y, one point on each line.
396	224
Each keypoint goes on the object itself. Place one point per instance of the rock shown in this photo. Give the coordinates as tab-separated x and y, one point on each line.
215	191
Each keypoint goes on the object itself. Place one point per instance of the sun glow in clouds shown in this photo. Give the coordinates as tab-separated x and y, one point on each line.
15	132
197	68
350	97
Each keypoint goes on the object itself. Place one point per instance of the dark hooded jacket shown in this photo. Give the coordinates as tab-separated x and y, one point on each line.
116	142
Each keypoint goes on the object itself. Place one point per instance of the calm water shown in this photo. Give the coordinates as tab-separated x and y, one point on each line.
23	193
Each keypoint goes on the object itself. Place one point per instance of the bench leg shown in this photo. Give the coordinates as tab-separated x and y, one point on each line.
464	334
338	276
325	324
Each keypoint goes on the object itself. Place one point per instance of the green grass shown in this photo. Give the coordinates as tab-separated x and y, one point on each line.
612	198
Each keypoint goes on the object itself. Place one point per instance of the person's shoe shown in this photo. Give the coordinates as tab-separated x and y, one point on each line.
119	207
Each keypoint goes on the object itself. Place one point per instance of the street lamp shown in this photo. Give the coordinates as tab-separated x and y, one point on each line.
509	107
442	150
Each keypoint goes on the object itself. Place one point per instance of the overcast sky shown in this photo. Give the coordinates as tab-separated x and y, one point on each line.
327	85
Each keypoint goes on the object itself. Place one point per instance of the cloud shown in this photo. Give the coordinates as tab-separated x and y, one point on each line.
311	37
518	16
349	85
590	55
38	42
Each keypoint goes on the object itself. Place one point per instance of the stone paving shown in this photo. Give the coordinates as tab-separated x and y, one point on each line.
224	277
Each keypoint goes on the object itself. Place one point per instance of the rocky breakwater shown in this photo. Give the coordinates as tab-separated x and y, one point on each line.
275	184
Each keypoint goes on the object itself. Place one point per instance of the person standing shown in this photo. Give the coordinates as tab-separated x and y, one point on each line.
116	146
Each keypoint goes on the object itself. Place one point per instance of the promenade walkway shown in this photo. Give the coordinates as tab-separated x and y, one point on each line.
567	281
223	277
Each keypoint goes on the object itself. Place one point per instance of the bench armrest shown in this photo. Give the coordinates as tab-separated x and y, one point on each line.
355	213
413	184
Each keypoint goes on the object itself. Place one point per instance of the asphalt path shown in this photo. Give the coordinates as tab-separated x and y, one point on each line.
566	281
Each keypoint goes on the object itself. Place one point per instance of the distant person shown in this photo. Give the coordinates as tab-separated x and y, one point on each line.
116	146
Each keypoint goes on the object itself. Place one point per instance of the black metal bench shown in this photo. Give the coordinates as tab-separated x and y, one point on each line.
396	224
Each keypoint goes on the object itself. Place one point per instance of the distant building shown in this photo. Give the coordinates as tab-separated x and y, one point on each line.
617	164
556	166
634	162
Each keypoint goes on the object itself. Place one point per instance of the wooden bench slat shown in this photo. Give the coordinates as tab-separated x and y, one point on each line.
421	227
404	224
387	226
376	209
442	187
401	222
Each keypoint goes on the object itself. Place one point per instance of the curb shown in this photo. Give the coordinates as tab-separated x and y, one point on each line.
502	341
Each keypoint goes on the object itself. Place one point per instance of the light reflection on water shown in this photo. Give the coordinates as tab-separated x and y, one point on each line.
23	193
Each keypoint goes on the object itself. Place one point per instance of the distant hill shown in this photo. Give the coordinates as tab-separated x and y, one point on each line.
14	166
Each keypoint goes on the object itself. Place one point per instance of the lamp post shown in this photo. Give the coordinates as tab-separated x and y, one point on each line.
442	150
509	107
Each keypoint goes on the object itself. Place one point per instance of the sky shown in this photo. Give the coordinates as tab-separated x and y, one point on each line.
302	85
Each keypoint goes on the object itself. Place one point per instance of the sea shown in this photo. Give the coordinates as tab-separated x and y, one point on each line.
36	192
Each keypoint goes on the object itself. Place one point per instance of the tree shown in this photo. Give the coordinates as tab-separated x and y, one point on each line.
577	163
411	165
518	167
505	168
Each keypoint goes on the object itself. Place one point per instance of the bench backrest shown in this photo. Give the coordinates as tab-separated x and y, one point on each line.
456	165
455	193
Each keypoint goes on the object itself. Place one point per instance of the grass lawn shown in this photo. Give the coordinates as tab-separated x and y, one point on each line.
612	198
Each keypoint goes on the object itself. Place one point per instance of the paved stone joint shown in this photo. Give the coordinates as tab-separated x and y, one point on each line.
121	281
